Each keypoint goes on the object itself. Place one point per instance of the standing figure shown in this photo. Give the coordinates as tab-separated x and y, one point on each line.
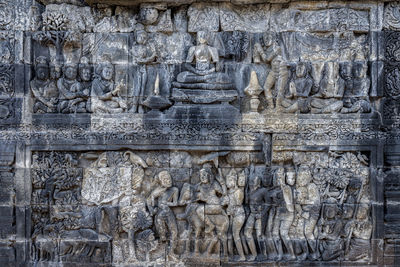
143	53
43	89
235	212
71	95
299	89
278	74
308	199
357	100
215	218
284	212
195	222
133	213
331	225
258	201
159	203
106	99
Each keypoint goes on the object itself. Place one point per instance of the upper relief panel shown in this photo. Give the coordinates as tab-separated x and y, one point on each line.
298	57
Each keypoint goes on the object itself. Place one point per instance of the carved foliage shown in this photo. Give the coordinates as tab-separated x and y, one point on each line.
254	18
57	212
203	17
392	75
392	16
6	14
7	90
392	52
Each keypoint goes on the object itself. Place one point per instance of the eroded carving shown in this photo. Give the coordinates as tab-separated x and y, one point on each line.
105	95
314	205
7	90
165	115
43	88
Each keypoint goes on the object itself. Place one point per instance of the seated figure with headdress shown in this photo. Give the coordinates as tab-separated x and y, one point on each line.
104	97
43	88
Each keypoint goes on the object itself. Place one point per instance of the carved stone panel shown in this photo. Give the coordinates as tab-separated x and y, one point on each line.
105	206
199	133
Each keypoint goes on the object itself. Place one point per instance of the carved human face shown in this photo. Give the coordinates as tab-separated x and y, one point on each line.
347	102
141	37
345	70
42	73
85	74
204	176
290	177
268	39
241	179
202	37
330	211
300	70
231	179
362	213
107	73
359	71
254	183
148	15
165	179
362	39
71	72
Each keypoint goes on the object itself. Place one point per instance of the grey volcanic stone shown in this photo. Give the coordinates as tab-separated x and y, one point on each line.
199	133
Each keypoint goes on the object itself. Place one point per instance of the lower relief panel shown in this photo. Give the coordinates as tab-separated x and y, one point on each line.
136	207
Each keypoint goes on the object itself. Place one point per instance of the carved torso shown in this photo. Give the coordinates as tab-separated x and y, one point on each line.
208	193
46	88
236	197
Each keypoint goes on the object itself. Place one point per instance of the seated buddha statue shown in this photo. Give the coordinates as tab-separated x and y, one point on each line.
330	94
206	74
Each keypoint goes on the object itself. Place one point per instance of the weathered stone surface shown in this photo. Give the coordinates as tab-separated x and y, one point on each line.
199	133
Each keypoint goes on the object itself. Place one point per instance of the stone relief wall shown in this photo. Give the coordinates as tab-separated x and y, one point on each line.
149	62
189	133
133	207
